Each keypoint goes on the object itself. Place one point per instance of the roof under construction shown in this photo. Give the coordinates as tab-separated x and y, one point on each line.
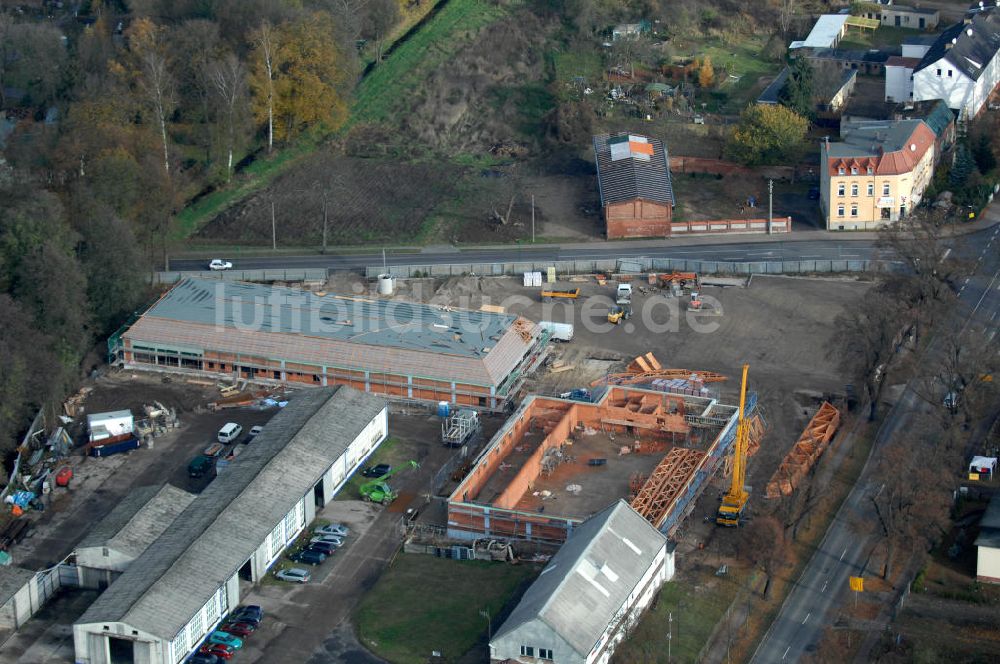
344	331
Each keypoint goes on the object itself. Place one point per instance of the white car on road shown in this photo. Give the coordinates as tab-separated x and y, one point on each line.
219	264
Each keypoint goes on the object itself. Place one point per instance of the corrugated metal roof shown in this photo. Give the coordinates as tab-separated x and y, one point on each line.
643	176
219	531
824	33
138	519
582	589
402	338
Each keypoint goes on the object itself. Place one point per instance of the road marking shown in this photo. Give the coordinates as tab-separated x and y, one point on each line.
992	334
945	255
993	317
806	618
966	281
844	553
786	653
825	584
810	256
850	255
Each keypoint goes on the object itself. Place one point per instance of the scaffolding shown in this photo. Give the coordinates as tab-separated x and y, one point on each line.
807	450
459	428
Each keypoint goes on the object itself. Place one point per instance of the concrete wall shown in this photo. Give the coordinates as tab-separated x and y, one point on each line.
102	558
987	564
535	634
19	608
902	17
898	86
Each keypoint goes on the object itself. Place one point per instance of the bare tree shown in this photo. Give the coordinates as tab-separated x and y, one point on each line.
151	75
786	14
764	541
228	77
265	41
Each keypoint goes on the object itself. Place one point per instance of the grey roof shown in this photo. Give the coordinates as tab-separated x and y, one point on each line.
221	528
582	589
138	519
971	53
630	178
920	40
927	11
861	138
392	323
989	525
772	91
871	56
12	579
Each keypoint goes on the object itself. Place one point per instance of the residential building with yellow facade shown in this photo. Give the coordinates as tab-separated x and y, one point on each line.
876	174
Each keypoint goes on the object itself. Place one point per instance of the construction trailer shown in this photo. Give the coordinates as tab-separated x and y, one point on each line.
557	461
275	335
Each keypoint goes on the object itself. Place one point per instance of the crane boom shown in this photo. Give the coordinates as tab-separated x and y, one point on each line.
735	500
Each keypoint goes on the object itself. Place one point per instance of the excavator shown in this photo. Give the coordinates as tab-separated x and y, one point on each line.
734	502
378	489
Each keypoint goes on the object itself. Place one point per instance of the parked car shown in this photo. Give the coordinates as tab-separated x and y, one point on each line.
250	613
218	636
240	629
219	264
254	430
294	575
308	557
202	658
329	539
220	650
229	432
335	529
200	465
325	548
376	471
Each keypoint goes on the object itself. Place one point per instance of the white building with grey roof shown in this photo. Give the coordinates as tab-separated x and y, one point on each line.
184	583
590	594
124	534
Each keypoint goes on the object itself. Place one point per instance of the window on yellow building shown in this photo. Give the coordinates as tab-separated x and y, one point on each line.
854	170
854	210
840	189
870	170
885	188
840	210
854	190
871	189
840	171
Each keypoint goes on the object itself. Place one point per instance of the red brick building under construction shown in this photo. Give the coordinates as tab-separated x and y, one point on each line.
283	335
633	177
556	462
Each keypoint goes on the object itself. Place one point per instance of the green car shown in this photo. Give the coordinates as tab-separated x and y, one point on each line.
199	466
225	639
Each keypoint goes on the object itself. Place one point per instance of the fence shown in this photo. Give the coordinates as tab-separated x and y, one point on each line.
635	265
310	274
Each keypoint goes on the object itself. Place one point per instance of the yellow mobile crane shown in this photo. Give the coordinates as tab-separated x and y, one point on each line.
735	500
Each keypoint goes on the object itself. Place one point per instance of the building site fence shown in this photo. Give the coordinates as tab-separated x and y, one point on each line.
636	265
309	274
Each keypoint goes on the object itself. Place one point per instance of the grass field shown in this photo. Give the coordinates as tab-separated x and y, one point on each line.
389	85
389	452
402	621
742	60
577	62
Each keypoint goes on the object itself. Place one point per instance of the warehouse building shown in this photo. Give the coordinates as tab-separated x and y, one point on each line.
274	334
591	593
167	599
121	537
633	179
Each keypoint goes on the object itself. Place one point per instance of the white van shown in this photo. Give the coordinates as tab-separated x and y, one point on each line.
230	432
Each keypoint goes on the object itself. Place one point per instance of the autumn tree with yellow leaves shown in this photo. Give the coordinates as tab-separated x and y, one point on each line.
297	77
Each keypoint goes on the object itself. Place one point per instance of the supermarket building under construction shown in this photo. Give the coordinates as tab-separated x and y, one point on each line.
283	335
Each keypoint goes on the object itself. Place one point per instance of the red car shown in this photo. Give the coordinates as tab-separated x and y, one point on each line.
218	649
240	629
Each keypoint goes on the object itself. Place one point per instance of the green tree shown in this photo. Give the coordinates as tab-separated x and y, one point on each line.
982	152
962	167
798	91
767	134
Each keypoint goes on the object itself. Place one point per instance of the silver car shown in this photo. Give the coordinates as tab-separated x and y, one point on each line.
334	529
294	575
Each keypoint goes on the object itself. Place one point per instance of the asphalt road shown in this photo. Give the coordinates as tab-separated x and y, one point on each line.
811	605
766	250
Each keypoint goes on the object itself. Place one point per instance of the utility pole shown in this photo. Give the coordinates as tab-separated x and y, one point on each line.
532	219
274	233
325	218
770	204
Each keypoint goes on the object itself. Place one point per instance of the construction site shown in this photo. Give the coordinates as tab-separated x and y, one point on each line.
557	461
